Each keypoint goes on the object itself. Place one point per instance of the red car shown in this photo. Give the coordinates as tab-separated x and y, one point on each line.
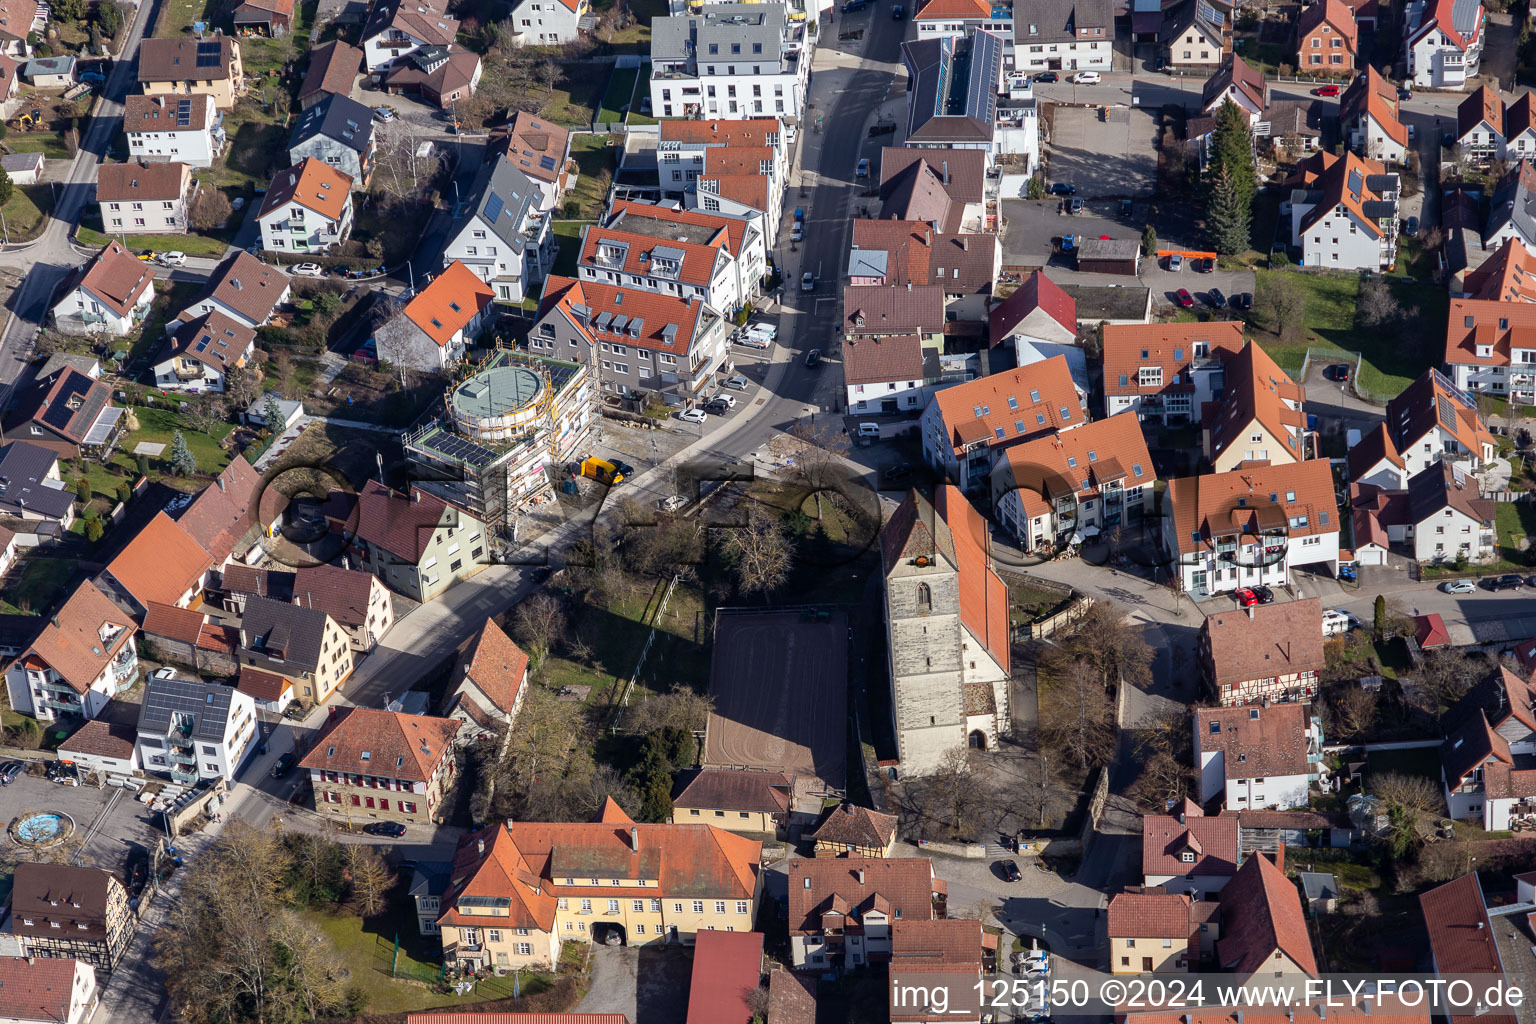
1185	299
1246	597
1328	90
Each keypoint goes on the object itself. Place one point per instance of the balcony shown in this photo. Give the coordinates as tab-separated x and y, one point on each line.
59	686
68	705
185	776
182	755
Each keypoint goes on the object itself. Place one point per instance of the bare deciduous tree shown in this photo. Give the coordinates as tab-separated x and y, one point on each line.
402	175
1354	710
1414	793
1282	304
537	623
1441	678
679	708
211	209
285	374
954	790
1077	716
1377	305
370	878
760	551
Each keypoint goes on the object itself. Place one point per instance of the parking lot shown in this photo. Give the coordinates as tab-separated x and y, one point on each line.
108	821
1108	152
1033	228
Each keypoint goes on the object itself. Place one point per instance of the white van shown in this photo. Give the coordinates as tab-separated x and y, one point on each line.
870	430
1337	622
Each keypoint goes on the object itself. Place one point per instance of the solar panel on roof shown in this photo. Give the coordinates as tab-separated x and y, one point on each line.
207	55
184	113
547	163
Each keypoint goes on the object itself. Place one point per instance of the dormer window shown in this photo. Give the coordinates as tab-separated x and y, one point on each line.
1188	856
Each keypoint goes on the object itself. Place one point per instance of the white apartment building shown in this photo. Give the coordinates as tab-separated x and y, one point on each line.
548	22
398	28
1432	421
83	657
508	243
308	209
1258	757
1346	215
683	260
731	60
188	129
1065	35
193	731
734	168
1166	373
1443	42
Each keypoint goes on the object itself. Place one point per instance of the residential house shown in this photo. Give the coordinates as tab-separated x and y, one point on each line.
31	488
1195	42
367	752
1167	373
1327	39
1239	82
1443	41
870	311
80	660
337	131
946	617
1432	421
841	910
633	342
1061	489
10	77
733	167
144	198
946	185
549	22
1480	126
196	731
1065	35
162	564
47	991
507	242
687	260
439	75
1505	276
184	636
1263	927
404	538
7	549
957	17
727	976
332	71
395	29
1344	214
1444	518
792	998
735	799
1369	113
490	680
1189	852
1469	938
1261	757
202	353
355	601
110	294
68	412
888	373
242	289
107	748
18	20
542	151
1490	736
1155	932
1038	312
947	952
1490	345
60	912
224	518
741	238
1258	417
948	110
521	889
182	66
848	830
1251	525
439	323
1520	128
183	129
730	60
966	428
307	209
272	18
298	643
1262	654
896	253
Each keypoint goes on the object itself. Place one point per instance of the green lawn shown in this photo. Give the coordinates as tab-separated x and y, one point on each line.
1516	521
574	99
254	146
192	245
26	212
569	234
159	424
50	144
40	587
169	301
596	161
177	16
621	90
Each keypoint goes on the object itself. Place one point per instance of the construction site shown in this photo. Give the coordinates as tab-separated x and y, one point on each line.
503	430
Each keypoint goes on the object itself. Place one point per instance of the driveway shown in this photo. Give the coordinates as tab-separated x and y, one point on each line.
109	821
1107	152
648	986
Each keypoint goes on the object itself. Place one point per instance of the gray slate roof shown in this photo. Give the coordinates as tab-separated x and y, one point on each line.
1514	200
336	117
681	36
273	628
206	705
23	466
503	196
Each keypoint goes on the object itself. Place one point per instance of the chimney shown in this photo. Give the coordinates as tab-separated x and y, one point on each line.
220	481
480	846
861	876
55	621
416	497
634	839
1280	857
1249	609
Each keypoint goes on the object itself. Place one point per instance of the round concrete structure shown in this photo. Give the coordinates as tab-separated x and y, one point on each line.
497	404
41	829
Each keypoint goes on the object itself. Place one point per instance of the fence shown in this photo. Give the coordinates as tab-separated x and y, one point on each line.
1051	624
629	685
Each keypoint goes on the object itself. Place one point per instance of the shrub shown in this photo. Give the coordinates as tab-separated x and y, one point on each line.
93	530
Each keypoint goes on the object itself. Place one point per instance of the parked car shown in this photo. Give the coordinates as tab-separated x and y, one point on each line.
1459	587
1046	77
1412	227
383	114
1242	300
1326	90
1126	207
9	771
1184	298
624	468
737	383
1509	581
807	282
1338	372
862	170
1010	870
1061	188
1404	93
145	255
797	233
1204	265
175	258
898	13
1074	205
392	829
1263	593
758	335
1245	597
1068	243
308	270
1175	262
729	400
854	5
1216	299
672	504
1087	78
717	407
281	765
898	473
813	357
691	415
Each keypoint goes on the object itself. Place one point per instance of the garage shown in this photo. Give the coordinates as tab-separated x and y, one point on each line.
1109	256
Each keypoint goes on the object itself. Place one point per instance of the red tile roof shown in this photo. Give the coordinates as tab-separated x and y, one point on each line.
1171	347
537	147
733	789
157	114
698	263
397	745
655	311
1334	13
1430	401
142	182
1037	292
160	564
1333	178
332	68
882	360
750	190
1152	915
727	967
1260	915
1461	937
903	886
1509	275
314	185
16	18
176	60
1429	630
488	865
1257	391
212	339
116	277
1373	96
37	988
399	524
1213	840
71	644
1498	326
1484	106
850	824
1020	403
1277	639
99	738
446	306
791	998
182	625
966	169
1080	462
1223	504
1261	743
949	9
1373	448
223	514
748	132
917	254
735	228
262	686
497	666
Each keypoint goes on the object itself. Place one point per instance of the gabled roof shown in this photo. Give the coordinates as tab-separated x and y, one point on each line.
436	70
205	708
1277	639
1433	401
70	403
400	524
751	131
1257	391
1006	408
875	309
332	68
1213	840
1129	348
950	945
186	59
343	594
537	147
339	118
1460	21
314	185
654	321
1261	914
1509	275
1334	13
1372	96
100	738
212	339
72	643
734	790
635	252
446	306
1484	106
1498	697
167	113
917	254
369	741
1374	448
246	285
1498	326
1344	181
115	277
952	92
60	899
918	193
1150	915
949	10
23	468
284	633
951	525
504	197
1441	486
1255	498
16	18
731	232
727	970
853	825
489	873
961	171
160	564
424	20
1263	742
1461	937
221	516
497	666
1081	462
1037	292
1520	116
905	884
883	360
1239	74
262	686
1430	632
